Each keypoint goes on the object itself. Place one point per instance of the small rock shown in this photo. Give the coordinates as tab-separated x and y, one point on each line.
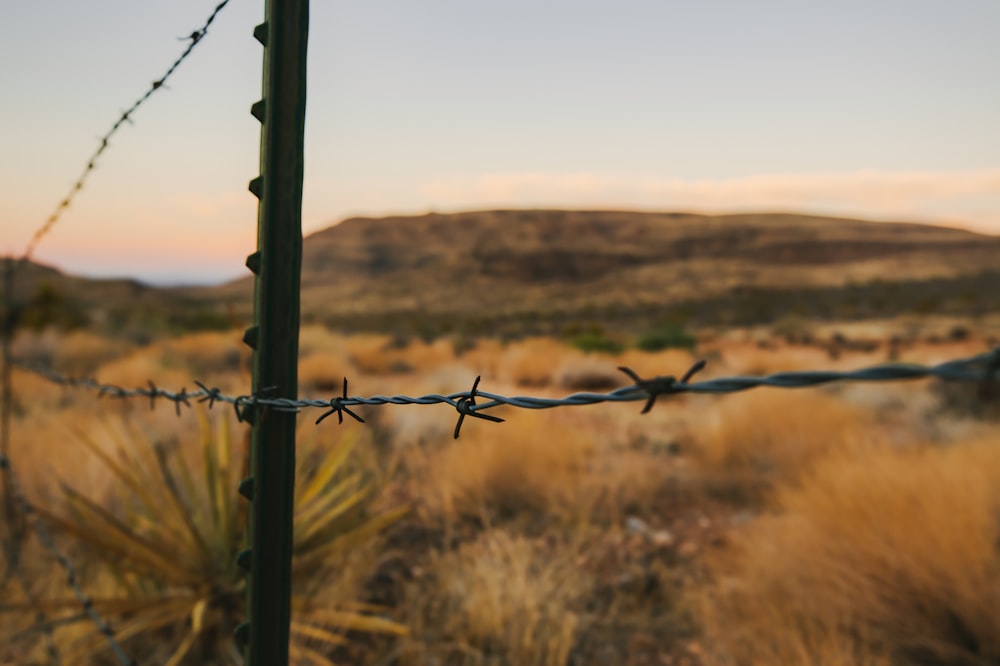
687	550
636	525
662	539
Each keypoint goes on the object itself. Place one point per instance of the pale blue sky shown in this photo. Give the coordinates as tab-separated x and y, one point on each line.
879	108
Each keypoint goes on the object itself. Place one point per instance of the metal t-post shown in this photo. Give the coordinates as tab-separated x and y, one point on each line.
275	333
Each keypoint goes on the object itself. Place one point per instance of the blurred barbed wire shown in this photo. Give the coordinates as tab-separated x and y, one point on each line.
193	40
17	508
27	510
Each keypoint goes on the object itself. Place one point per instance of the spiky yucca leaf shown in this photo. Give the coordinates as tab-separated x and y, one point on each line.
171	541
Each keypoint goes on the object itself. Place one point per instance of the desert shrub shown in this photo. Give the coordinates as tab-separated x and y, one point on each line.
50	307
164	548
194	318
207	353
530	362
889	557
501	599
533	466
81	352
666	336
37	348
596	342
589	374
381	355
967	400
324	371
753	441
793	330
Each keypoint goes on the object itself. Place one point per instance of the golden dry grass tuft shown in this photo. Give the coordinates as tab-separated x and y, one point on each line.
324	371
532	362
564	536
207	354
752	441
651	364
589	373
139	367
750	359
894	554
74	353
534	465
379	355
502	599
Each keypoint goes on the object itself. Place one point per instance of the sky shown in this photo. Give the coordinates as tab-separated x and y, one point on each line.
883	109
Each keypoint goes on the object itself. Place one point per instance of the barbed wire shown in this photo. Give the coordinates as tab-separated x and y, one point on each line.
41	622
13	499
983	368
126	116
27	510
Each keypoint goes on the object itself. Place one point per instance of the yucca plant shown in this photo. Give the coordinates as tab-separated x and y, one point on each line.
168	537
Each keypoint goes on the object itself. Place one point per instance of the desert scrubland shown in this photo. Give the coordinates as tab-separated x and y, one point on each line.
848	524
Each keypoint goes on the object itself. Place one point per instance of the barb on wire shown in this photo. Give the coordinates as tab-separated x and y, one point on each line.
466	406
337	407
126	116
660	385
981	368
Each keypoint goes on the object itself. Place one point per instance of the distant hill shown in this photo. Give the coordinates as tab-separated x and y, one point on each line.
45	296
516	271
539	269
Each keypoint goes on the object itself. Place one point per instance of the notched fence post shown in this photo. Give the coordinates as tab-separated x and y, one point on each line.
264	637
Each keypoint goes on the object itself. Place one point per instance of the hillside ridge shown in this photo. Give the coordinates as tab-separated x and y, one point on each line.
480	269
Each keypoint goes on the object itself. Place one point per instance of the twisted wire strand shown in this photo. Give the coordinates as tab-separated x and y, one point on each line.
126	116
980	368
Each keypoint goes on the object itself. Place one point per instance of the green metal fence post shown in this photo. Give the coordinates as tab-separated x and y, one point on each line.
274	335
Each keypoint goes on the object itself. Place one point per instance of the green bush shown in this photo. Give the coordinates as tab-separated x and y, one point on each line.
50	307
666	336
596	342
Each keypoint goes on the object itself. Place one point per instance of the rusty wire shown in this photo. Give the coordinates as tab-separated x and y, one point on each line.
193	39
983	368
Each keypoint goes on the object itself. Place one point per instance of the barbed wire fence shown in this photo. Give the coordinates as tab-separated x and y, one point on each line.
18	512
982	369
21	516
103	143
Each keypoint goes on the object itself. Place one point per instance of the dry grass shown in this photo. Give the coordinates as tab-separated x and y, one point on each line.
482	356
208	354
74	353
590	373
532	362
314	338
324	371
502	599
752	441
750	359
862	535
139	367
893	554
381	355
651	364
533	465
